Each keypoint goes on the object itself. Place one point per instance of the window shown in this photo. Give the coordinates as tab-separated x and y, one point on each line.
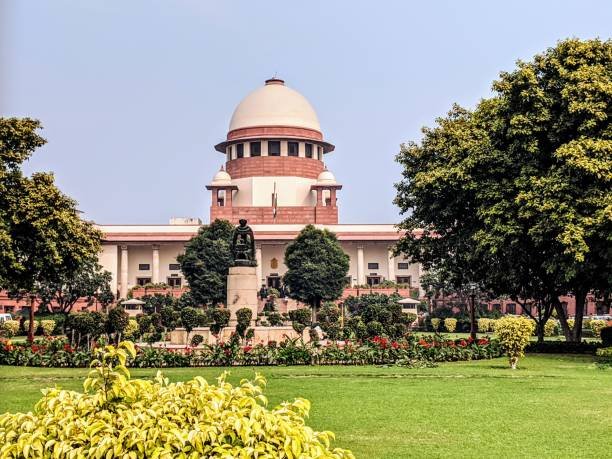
320	153
274	281
293	148
240	150
230	152
372	265
143	281
255	148
496	307
511	308
403	280
348	280
144	267
403	265
308	150
273	148
373	280
174	281
174	267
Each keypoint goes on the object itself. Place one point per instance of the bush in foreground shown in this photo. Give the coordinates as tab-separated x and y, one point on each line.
117	416
514	334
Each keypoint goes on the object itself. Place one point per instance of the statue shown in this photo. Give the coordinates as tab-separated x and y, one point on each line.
243	245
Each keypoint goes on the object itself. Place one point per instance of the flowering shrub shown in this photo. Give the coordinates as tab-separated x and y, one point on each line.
514	334
10	328
596	325
116	416
450	324
56	352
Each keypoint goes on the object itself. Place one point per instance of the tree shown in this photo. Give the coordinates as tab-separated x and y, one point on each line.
42	237
117	322
516	194
89	283
316	267
206	262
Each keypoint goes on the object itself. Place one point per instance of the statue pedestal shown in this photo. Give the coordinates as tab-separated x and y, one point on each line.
242	287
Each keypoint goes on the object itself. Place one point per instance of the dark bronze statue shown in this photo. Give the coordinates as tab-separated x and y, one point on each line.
243	245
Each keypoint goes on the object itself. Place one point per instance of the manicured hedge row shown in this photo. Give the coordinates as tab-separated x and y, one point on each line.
377	351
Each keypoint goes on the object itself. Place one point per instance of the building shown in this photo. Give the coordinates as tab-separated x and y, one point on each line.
272	172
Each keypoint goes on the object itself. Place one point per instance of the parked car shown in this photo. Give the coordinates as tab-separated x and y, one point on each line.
5	316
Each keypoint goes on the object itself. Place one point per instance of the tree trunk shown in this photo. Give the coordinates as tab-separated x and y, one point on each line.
580	303
562	320
31	324
473	325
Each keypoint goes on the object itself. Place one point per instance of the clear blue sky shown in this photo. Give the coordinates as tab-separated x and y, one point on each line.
134	94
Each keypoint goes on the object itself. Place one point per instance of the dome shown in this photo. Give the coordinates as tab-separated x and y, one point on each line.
221	178
274	105
326	178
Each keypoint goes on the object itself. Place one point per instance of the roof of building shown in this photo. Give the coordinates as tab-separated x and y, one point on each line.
274	105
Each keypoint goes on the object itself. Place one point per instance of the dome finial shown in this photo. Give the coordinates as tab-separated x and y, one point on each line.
275	80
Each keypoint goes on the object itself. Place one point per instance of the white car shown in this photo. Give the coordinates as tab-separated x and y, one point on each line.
4	317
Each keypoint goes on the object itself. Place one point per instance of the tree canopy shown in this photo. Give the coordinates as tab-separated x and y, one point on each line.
206	262
316	267
517	193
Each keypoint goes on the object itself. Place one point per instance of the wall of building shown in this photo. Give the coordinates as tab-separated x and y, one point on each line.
257	191
109	260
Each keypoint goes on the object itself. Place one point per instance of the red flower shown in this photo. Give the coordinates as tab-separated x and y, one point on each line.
422	342
68	348
395	345
462	343
483	342
470	340
247	348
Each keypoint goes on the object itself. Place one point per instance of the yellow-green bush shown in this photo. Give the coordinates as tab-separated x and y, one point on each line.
570	323
117	417
435	323
514	333
492	324
10	328
596	325
450	324
131	331
484	325
47	326
551	328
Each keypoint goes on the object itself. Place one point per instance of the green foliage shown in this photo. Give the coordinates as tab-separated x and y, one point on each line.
131	331
450	324
42	237
47	326
435	323
516	193
514	334
117	321
156	302
206	263
300	319
484	325
316	267
190	318
193	418
275	319
384	309
597	325
10	328
243	321
551	328
604	356
196	340
169	317
375	328
220	319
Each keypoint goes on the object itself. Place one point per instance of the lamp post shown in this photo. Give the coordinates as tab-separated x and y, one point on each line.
473	289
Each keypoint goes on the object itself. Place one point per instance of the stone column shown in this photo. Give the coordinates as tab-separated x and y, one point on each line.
360	268
124	271
155	265
391	266
259	264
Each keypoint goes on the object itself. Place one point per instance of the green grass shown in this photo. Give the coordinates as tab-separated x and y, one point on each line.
552	406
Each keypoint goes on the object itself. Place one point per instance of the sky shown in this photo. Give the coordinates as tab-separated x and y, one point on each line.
133	95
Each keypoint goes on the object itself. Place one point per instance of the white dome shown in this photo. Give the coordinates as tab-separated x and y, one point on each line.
274	105
221	178
326	178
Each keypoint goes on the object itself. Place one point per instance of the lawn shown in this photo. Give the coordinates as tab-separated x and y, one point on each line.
552	406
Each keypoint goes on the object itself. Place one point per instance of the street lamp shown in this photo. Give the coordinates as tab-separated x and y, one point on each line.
473	290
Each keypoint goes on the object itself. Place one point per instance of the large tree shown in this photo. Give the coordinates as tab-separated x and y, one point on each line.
518	192
206	263
42	237
316	267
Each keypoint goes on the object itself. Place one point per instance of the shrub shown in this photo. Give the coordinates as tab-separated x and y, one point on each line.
243	320
10	328
375	328
551	328
220	319
190	318
604	356
484	324
435	323
131	331
597	325
570	323
196	340
47	326
300	318
118	320
275	319
606	336
116	416
562	347
514	334
450	324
